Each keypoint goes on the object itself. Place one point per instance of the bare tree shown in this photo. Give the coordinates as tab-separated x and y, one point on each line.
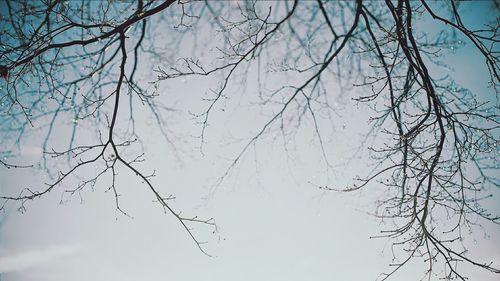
435	143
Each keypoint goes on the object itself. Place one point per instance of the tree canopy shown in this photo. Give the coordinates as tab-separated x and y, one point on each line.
79	77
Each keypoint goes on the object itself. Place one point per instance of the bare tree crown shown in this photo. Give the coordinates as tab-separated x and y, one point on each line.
77	65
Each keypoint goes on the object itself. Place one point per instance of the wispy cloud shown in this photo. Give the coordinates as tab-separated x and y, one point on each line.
23	260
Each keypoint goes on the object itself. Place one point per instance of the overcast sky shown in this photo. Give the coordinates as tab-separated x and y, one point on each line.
273	223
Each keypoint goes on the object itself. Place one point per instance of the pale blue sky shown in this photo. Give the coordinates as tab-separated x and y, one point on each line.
273	224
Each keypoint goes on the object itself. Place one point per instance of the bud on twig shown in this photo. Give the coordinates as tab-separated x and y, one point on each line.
4	72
